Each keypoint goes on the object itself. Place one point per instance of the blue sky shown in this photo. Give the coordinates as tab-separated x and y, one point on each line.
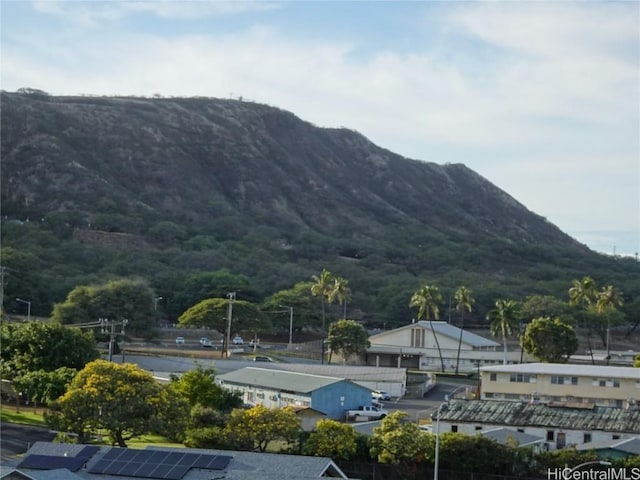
541	98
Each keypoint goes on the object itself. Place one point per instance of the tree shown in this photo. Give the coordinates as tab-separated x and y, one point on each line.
117	300
583	294
321	287
300	299
28	347
120	398
41	386
607	300
399	441
331	439
341	293
426	300
502	319
549	340
256	427
198	387
212	313
464	301
348	338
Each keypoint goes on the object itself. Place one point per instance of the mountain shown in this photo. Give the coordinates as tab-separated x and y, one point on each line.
207	184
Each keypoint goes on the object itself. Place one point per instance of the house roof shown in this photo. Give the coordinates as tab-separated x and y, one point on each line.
356	373
242	465
599	371
505	435
446	329
278	379
628	445
509	413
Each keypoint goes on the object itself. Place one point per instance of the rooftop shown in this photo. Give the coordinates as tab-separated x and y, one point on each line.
446	329
240	466
567	369
509	413
278	379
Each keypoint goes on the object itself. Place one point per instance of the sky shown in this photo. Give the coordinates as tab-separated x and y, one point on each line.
540	98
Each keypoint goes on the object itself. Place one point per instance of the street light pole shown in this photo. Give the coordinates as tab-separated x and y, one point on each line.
232	297
290	324
437	455
28	307
155	303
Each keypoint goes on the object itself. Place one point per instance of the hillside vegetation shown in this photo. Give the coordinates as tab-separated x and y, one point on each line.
97	188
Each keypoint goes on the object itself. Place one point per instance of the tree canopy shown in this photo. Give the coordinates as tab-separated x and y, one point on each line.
28	347
347	337
549	340
198	386
256	427
116	300
122	399
212	313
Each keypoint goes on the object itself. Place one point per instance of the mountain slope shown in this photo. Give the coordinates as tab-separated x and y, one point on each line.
256	190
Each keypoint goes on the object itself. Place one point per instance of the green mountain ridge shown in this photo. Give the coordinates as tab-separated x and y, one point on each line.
213	184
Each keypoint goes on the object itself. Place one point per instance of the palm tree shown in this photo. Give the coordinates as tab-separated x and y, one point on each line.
464	300
322	288
427	299
340	292
502	319
583	292
608	299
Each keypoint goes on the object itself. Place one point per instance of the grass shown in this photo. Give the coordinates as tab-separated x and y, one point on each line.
24	417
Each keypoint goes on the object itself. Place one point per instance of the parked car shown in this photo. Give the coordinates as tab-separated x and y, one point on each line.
261	358
380	395
204	340
237	340
179	340
206	343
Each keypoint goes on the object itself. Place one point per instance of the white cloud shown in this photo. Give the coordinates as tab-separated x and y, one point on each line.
95	14
544	102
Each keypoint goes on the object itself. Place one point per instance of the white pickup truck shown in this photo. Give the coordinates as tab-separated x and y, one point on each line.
368	411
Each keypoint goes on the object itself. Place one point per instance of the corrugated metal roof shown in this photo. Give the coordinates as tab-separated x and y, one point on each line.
349	372
505	435
600	371
278	379
496	412
628	445
444	328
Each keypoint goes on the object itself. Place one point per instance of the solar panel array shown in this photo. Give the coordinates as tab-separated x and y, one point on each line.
52	462
170	465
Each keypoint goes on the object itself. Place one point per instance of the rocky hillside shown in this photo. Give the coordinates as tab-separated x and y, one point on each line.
180	171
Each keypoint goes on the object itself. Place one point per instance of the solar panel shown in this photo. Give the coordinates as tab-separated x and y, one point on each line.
88	452
159	464
219	462
51	462
100	466
177	472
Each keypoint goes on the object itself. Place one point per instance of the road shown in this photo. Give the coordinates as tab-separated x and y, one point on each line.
16	439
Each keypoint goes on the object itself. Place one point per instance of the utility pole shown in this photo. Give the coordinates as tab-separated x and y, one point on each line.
2	270
232	297
104	324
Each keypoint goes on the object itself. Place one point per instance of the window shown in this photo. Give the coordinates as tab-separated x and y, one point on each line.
417	337
522	378
478	428
493	377
615	437
586	438
557	380
550	436
454	428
